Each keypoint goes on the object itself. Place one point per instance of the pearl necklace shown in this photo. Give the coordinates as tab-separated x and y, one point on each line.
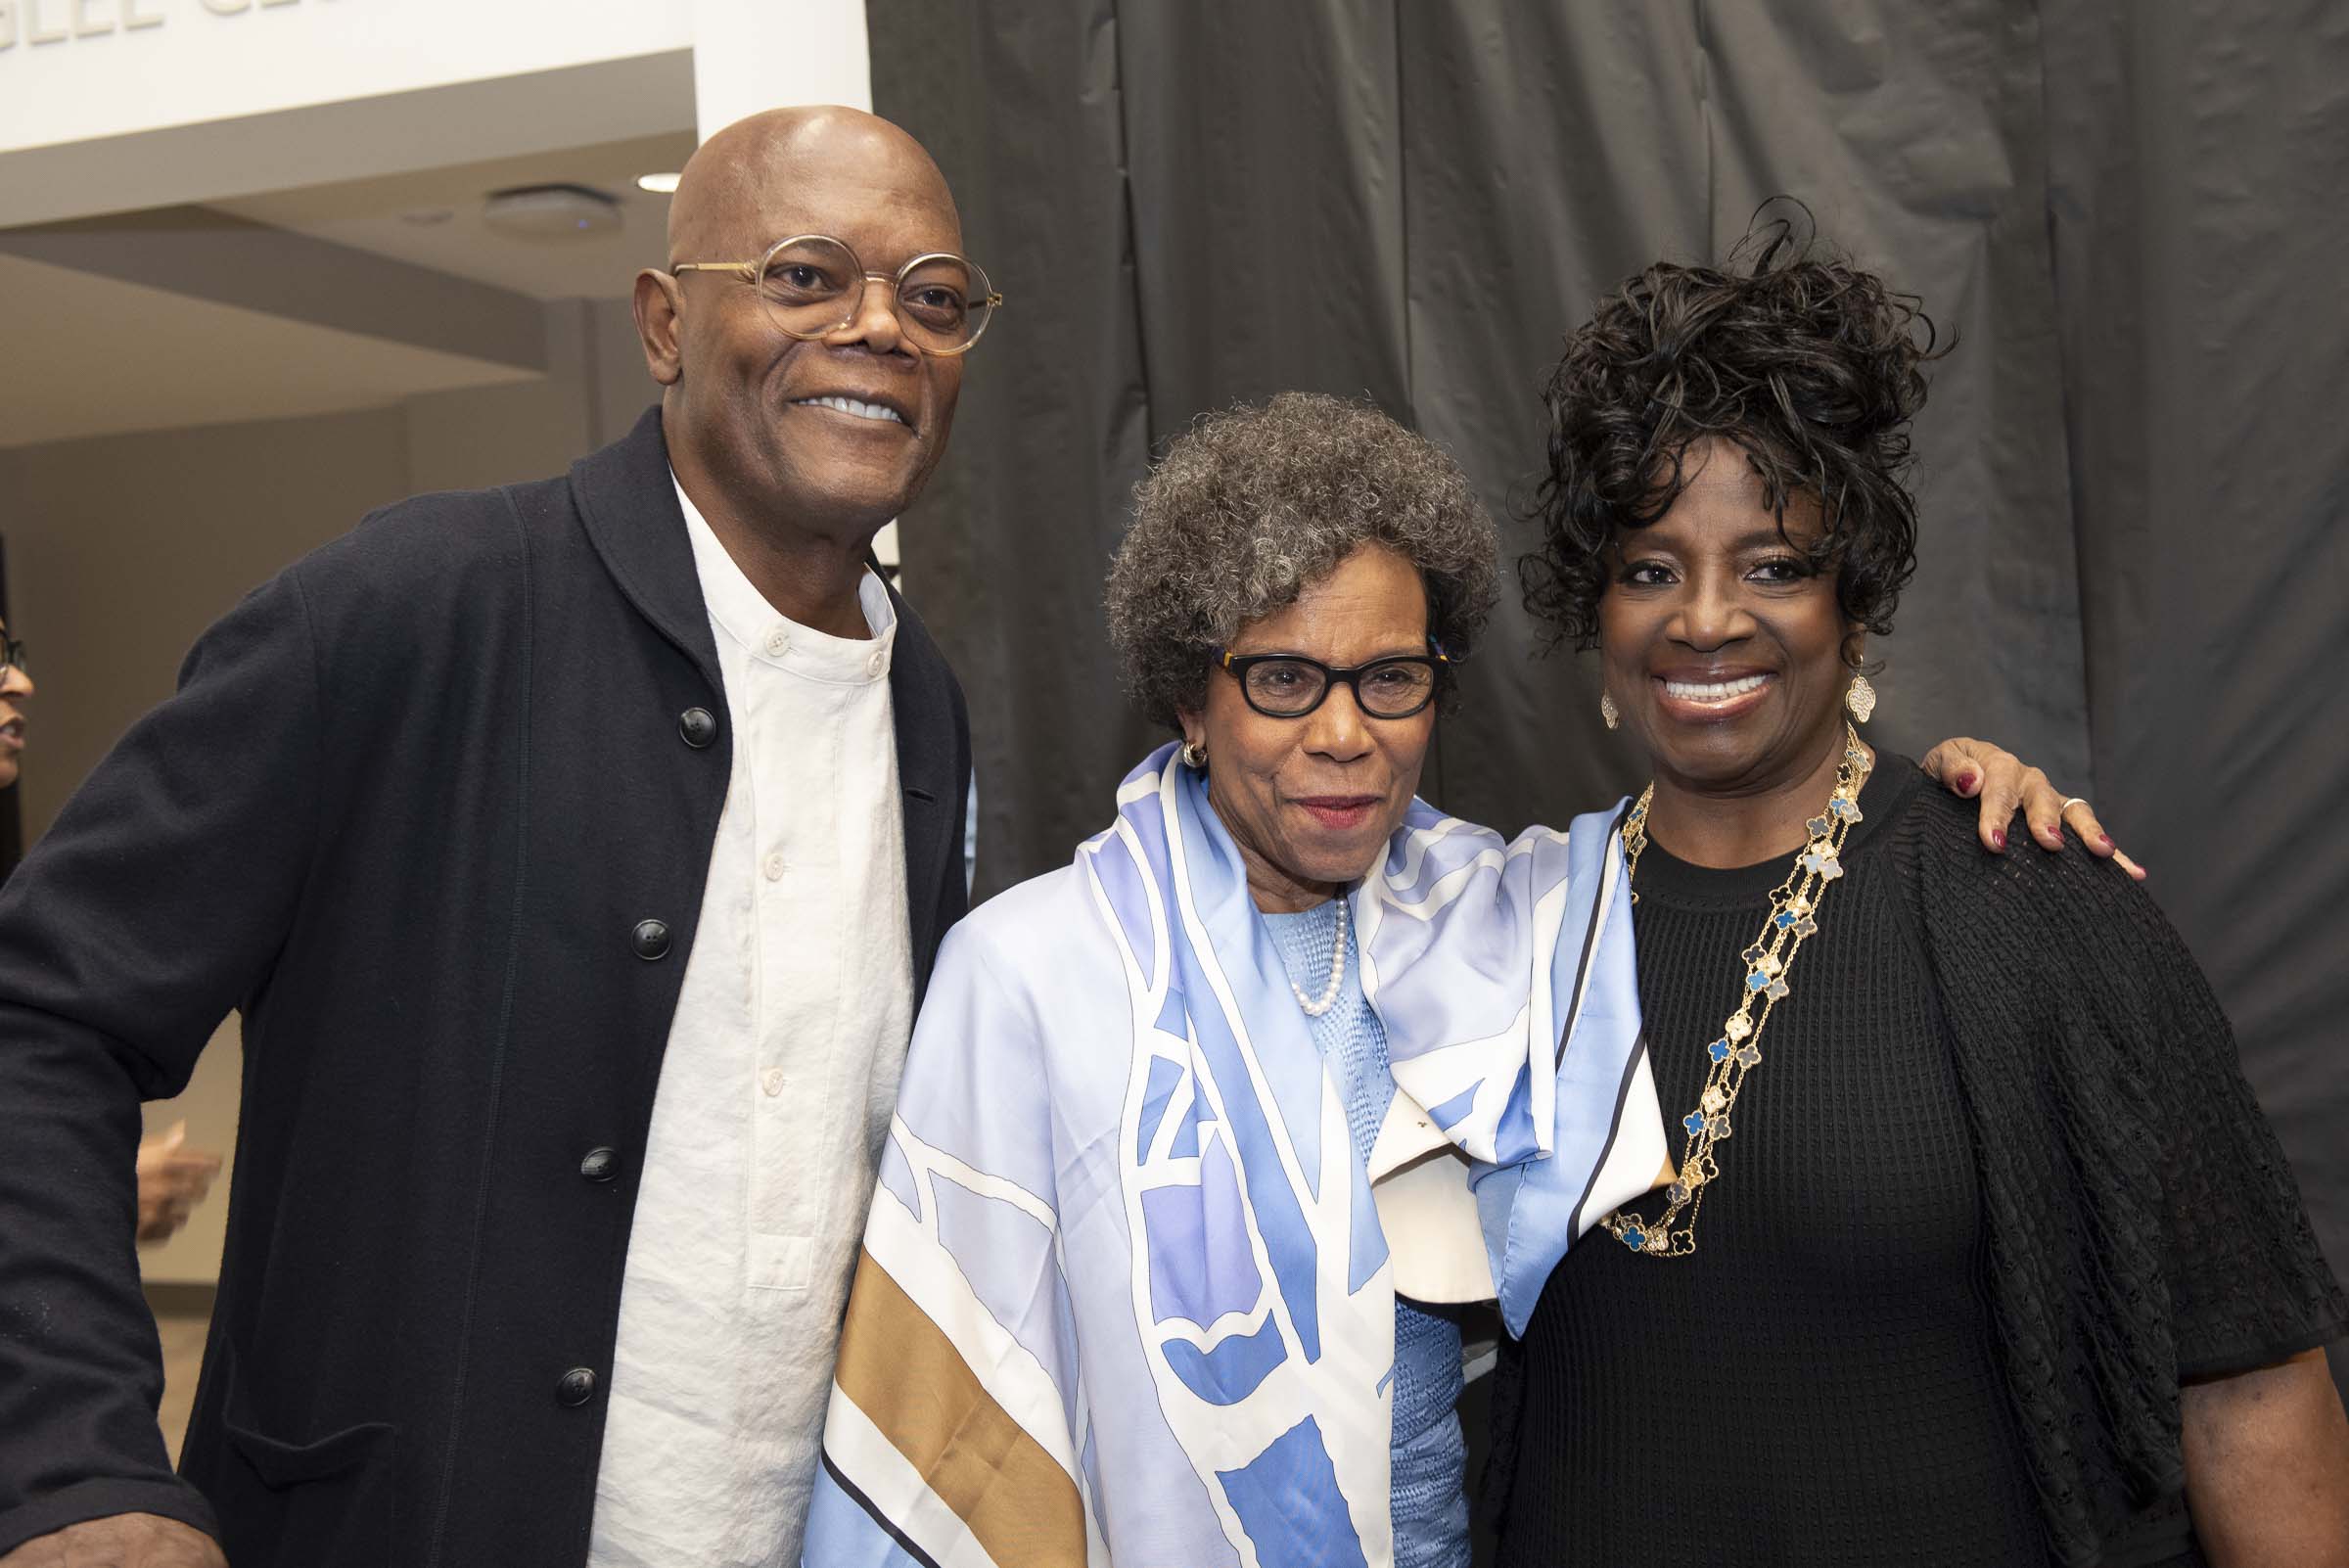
1337	973
1792	921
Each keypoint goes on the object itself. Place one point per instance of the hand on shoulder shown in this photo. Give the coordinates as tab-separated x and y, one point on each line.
1976	769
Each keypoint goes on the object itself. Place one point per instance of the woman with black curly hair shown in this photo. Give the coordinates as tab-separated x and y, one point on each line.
2002	1266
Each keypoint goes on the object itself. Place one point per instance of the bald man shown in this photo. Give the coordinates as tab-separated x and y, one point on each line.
575	853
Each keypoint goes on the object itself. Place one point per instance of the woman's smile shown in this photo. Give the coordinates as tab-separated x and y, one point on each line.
1700	696
1339	811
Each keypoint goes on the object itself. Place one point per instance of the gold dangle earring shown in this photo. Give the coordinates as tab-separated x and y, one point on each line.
1608	712
1860	698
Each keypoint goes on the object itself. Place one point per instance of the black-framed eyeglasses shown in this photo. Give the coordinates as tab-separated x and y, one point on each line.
813	286
12	655
1280	685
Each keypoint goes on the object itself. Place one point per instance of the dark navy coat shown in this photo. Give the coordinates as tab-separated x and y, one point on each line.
433	809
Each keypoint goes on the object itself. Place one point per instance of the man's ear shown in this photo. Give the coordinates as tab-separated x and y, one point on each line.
657	321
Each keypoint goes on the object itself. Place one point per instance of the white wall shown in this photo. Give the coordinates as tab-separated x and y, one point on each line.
196	105
751	55
133	66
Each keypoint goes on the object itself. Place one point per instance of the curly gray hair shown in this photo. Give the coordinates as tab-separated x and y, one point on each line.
1253	505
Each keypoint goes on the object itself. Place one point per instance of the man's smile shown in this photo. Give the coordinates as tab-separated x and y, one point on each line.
855	408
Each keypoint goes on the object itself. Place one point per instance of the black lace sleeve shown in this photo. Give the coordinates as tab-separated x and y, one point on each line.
2124	1003
2144	1226
2248	1286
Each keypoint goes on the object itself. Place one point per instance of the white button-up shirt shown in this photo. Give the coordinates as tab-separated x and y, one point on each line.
776	1088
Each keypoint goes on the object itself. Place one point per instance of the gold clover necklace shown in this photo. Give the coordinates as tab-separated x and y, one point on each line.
1793	920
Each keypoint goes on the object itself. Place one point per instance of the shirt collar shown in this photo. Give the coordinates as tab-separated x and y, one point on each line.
742	615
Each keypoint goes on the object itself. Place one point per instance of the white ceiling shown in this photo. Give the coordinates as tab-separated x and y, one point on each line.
374	214
102	357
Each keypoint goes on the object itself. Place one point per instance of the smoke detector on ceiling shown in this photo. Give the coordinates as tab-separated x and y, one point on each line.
551	212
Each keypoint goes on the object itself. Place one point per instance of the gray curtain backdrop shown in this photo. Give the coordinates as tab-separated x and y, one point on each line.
2133	467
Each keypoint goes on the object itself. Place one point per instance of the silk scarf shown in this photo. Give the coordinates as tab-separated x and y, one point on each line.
1127	1288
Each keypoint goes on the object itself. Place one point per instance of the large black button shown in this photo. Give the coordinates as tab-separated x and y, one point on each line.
698	725
600	1165
578	1386
652	939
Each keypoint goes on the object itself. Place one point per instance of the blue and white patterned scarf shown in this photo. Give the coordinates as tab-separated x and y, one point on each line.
1127	1290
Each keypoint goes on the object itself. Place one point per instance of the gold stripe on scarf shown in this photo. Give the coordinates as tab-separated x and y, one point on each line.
911	1383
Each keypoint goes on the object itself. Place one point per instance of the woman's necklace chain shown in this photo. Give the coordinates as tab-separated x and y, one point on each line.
1793	920
1337	973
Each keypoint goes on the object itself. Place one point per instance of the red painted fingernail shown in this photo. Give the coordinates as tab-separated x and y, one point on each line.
1997	838
1965	783
2105	839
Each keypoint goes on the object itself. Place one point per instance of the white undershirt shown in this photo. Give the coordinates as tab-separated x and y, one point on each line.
776	1088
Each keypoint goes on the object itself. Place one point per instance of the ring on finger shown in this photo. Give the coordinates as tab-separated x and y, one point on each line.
2077	799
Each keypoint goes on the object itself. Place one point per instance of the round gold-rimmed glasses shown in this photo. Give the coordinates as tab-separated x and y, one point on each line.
813	286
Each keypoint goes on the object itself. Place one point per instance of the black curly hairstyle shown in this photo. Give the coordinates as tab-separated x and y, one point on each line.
1808	363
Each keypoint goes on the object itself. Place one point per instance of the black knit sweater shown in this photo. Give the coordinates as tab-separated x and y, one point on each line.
1997	1186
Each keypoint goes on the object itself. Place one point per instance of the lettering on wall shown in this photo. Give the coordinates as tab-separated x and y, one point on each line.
35	22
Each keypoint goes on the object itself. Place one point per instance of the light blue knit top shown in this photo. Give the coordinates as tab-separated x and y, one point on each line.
1430	1459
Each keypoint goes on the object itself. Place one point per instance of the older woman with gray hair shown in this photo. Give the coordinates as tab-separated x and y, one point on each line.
1191	1125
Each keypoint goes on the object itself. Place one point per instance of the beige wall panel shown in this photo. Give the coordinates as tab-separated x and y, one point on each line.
474	438
122	549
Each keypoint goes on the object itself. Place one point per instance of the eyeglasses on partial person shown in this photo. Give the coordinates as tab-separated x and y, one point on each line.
813	286
12	655
1280	685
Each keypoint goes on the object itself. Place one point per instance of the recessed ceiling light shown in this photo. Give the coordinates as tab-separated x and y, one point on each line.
551	211
658	184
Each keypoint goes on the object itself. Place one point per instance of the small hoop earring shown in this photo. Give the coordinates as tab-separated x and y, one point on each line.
1194	754
1860	698
1608	712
